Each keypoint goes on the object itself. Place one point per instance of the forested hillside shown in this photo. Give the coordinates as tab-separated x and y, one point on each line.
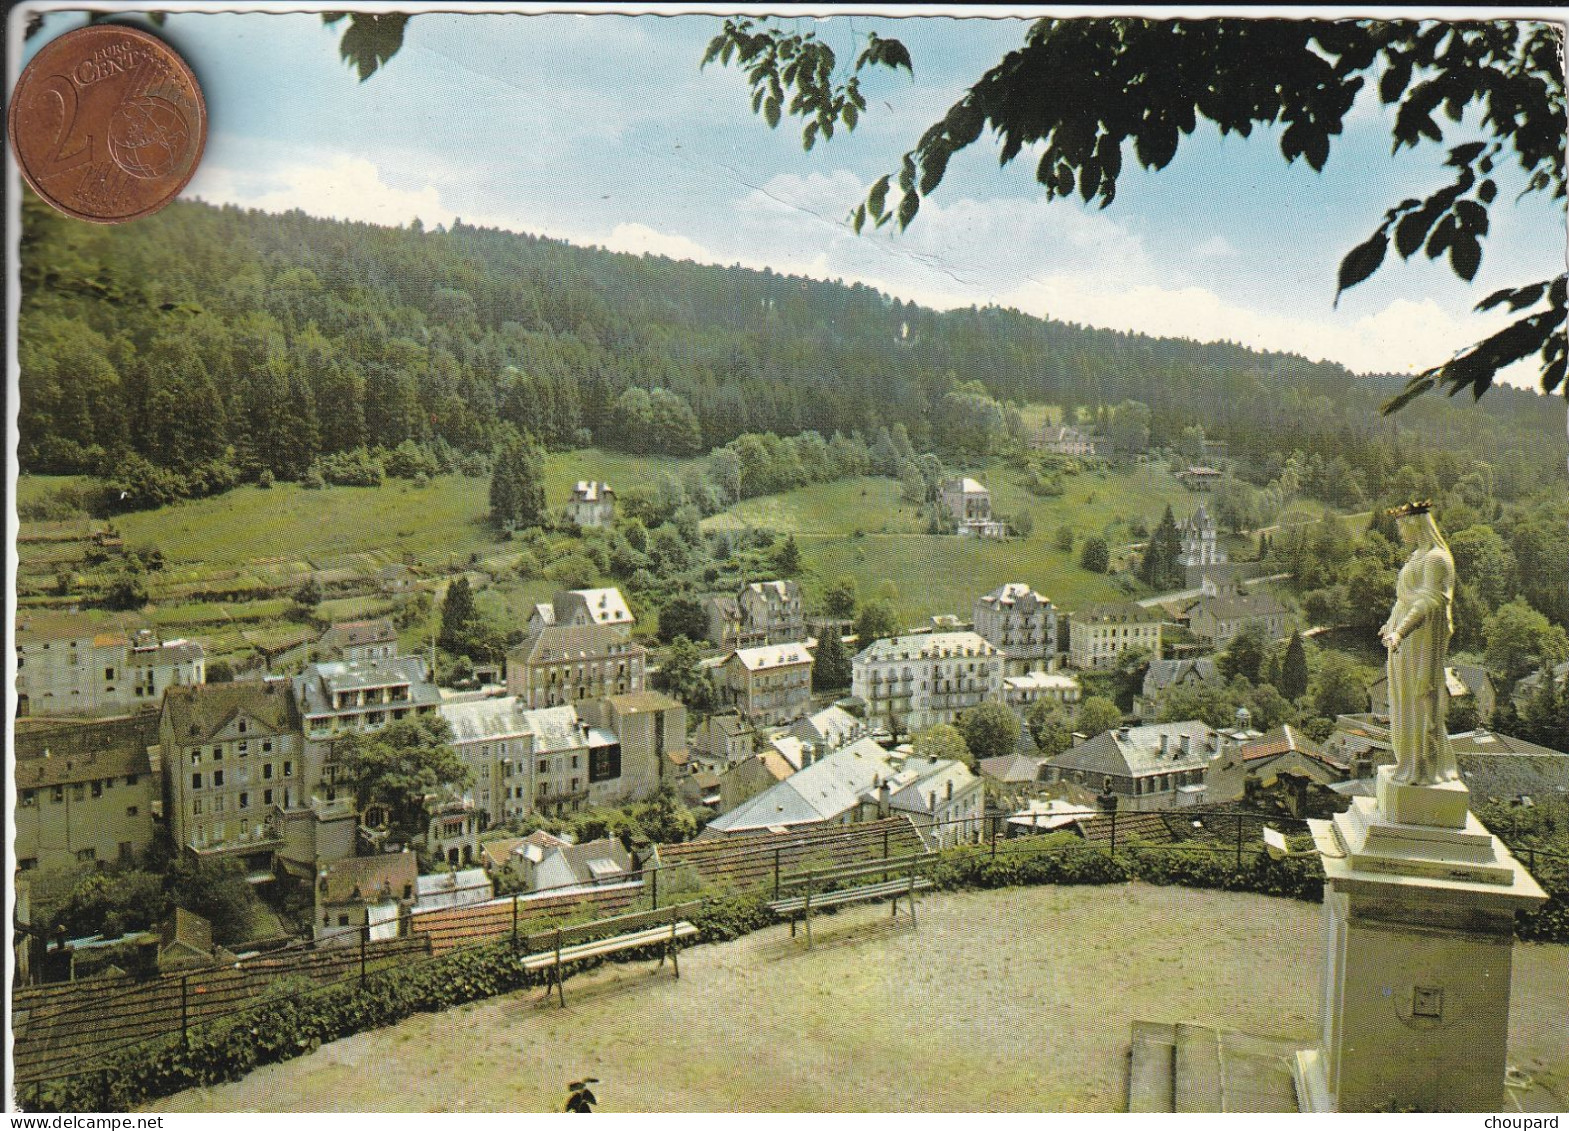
203	346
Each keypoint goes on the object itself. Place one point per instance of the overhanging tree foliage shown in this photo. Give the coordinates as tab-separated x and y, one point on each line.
401	766
1081	91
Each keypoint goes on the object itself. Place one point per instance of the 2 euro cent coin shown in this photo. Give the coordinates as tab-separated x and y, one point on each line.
107	123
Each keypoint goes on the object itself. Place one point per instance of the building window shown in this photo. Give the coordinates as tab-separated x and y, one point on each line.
245	801
131	779
29	798
196	757
266	771
544	766
98	789
267	797
217	753
87	856
267	747
131	810
196	781
288	769
57	795
217	778
242	726
108	673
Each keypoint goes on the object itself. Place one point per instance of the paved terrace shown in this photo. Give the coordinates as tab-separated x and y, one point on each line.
1014	1000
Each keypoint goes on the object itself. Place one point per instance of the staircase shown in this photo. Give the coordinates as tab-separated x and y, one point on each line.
1193	1068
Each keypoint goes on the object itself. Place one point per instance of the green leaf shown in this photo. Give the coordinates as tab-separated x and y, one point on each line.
876	198
809	136
771	112
1486	191
849	115
1465	255
1361	261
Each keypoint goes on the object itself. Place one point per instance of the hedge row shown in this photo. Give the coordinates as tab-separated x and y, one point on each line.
289	1026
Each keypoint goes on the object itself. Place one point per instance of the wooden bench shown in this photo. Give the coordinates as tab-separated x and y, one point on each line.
894	878
553	949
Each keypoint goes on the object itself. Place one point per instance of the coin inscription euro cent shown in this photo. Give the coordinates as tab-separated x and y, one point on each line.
107	123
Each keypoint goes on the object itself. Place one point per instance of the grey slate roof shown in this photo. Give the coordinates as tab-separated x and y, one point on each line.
1137	752
557	643
1167	673
196	713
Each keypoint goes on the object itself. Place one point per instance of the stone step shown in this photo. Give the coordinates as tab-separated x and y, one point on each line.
1150	1067
1196	1081
1256	1073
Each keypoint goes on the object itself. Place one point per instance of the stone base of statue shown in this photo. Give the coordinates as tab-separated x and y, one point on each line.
1420	917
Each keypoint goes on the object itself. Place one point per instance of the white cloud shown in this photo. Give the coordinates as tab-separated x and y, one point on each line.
342	188
640	239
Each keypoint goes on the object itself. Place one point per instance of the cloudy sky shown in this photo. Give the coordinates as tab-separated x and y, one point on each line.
603	130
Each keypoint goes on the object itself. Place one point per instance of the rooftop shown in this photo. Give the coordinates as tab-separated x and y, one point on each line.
1136	751
196	713
555	643
768	656
369	878
928	646
65	753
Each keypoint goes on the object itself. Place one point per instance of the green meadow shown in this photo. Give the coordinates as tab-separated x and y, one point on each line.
862	528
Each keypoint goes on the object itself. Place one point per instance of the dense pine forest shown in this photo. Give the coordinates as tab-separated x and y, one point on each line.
204	347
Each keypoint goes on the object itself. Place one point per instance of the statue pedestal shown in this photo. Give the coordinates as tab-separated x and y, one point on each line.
1420	922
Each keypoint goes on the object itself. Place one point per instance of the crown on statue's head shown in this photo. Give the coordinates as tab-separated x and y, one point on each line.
1415	506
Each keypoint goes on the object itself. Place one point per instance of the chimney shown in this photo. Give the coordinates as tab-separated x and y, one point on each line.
1122	732
950	790
882	800
1165	744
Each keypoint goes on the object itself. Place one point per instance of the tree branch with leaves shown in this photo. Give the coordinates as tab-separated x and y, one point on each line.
1082	93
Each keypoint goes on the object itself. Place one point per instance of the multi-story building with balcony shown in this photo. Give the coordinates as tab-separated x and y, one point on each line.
770	684
346	697
763	612
913	682
359	640
560	665
233	761
1021	624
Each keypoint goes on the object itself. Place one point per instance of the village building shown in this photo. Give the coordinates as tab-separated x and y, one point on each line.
1200	545
768	685
722	740
593	503
1097	635
1216	620
862	782
762	612
561	664
549	863
1019	623
650	727
359	640
1148	767
1528	686
233	763
1463	683
443	890
1013	779
1199	478
396	578
751	776
1066	440
576	608
1282	770
1022	691
913	682
829	729
70	664
452	829
343	697
86	792
365	896
1165	676
969	504
185	941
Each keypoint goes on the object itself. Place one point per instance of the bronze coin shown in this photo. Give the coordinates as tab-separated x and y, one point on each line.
107	123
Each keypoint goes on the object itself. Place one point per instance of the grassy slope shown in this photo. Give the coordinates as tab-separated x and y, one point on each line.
862	528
